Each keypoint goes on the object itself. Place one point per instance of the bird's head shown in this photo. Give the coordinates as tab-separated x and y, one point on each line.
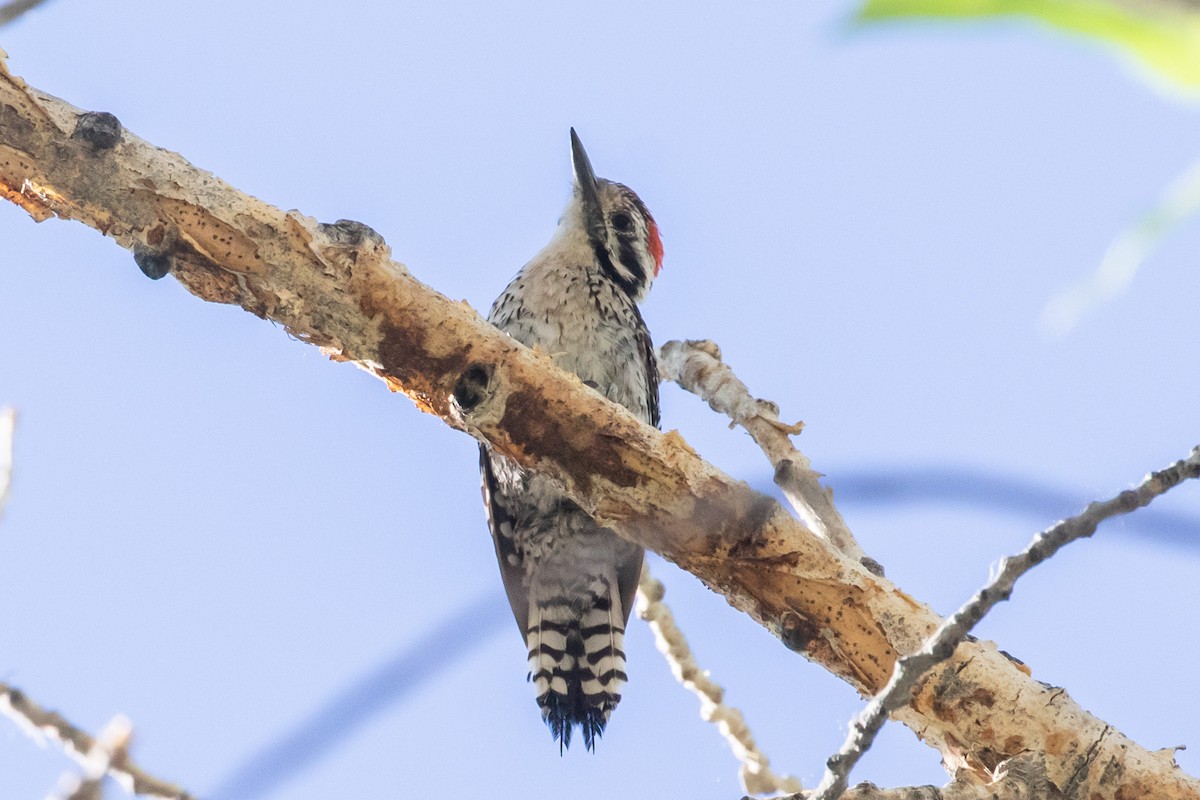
620	230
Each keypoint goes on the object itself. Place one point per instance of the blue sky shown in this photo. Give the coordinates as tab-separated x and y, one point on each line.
237	543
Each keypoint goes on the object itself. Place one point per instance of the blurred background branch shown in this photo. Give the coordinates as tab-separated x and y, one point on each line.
112	745
8	425
11	10
1125	255
41	724
985	490
303	746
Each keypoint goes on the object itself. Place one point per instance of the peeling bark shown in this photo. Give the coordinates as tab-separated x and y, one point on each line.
335	286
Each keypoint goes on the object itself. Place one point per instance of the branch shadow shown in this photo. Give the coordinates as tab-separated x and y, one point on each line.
366	697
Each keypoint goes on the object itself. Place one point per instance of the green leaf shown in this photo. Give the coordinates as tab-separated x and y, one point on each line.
1161	36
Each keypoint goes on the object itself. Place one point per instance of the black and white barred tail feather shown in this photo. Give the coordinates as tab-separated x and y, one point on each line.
577	662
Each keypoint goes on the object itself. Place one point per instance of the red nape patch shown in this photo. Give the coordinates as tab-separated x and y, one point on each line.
656	248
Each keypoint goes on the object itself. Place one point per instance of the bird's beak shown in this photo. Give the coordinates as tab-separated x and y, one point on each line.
585	179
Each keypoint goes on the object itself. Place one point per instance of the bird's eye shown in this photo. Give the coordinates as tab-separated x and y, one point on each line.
622	222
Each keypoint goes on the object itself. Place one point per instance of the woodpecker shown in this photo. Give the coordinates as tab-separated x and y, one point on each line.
570	581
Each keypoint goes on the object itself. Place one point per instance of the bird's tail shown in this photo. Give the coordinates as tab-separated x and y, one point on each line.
577	660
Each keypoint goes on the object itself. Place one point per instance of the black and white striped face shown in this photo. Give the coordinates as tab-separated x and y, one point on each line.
620	230
629	247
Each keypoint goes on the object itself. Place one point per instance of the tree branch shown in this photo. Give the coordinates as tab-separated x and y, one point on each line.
756	774
111	745
335	286
696	366
1020	778
955	628
38	724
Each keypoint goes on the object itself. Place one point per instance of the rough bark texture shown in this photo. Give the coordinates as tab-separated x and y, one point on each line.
335	286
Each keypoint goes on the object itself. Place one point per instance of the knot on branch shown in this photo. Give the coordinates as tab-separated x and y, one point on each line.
155	263
348	244
872	566
99	129
796	632
350	232
472	386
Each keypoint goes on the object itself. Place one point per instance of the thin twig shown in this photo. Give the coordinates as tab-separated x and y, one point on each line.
8	425
110	745
14	9
1022	777
696	365
756	774
1005	789
954	629
40	724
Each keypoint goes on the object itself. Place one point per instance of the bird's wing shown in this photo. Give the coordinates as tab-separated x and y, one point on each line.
501	525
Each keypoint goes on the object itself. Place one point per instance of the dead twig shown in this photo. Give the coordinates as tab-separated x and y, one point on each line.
940	646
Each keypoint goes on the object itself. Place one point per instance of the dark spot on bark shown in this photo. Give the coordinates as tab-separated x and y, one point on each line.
796	631
1132	790
403	353
348	231
873	566
1011	657
720	537
100	129
471	387
14	126
581	452
154	264
982	697
740	529
944	711
762	508
991	758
